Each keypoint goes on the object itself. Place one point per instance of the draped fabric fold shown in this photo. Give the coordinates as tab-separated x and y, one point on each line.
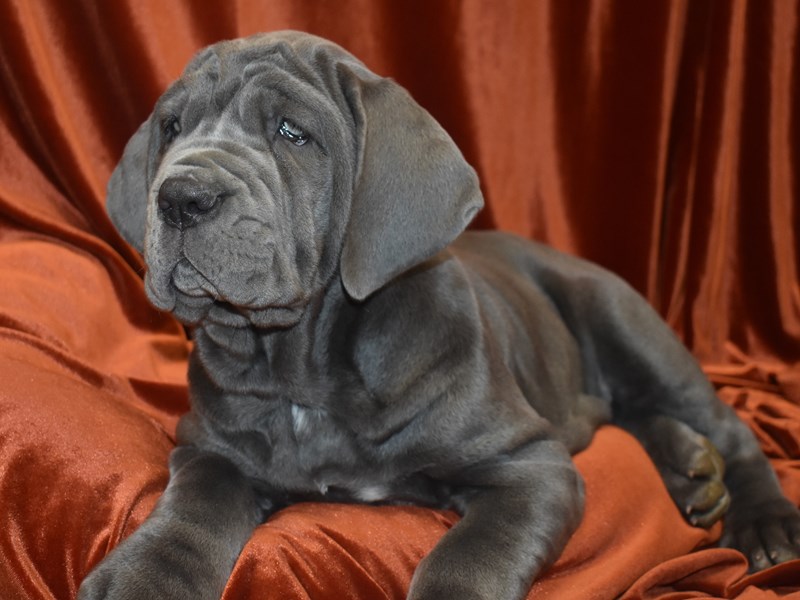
660	139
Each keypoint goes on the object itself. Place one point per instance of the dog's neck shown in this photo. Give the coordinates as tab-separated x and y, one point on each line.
243	359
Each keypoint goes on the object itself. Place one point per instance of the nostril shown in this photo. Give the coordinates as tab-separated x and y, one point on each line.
192	208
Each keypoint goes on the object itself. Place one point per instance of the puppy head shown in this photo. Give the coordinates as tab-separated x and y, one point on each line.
276	164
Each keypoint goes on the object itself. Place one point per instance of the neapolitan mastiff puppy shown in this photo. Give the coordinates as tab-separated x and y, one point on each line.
305	216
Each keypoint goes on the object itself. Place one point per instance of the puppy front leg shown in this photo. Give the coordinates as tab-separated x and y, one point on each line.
514	526
187	547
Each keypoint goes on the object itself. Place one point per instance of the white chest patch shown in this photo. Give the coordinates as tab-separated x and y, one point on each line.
301	420
372	493
314	434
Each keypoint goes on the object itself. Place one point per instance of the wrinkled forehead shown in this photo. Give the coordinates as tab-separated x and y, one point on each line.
286	66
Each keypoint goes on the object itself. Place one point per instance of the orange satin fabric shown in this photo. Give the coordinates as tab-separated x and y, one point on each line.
658	138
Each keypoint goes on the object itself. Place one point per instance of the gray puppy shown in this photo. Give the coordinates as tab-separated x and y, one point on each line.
304	216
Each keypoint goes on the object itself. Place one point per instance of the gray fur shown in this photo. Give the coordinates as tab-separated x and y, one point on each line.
350	348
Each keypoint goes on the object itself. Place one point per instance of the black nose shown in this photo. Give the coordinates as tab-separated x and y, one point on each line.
184	200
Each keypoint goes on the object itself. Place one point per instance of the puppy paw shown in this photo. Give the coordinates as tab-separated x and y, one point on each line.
695	481
151	567
113	580
143	580
102	585
690	465
767	534
133	580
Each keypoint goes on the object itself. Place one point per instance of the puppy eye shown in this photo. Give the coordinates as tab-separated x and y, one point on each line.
171	127
293	133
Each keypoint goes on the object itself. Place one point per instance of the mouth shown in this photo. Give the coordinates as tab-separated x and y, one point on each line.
194	309
194	300
265	317
190	281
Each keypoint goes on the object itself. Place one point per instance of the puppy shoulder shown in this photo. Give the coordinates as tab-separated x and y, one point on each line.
424	323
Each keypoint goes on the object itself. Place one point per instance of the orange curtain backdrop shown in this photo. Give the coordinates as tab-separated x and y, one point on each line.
658	138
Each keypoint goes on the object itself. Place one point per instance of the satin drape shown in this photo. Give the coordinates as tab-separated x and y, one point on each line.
657	138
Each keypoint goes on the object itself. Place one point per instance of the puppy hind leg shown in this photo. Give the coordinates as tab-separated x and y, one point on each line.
761	522
634	360
649	374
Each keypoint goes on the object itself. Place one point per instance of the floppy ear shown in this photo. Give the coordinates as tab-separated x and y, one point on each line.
126	194
414	192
